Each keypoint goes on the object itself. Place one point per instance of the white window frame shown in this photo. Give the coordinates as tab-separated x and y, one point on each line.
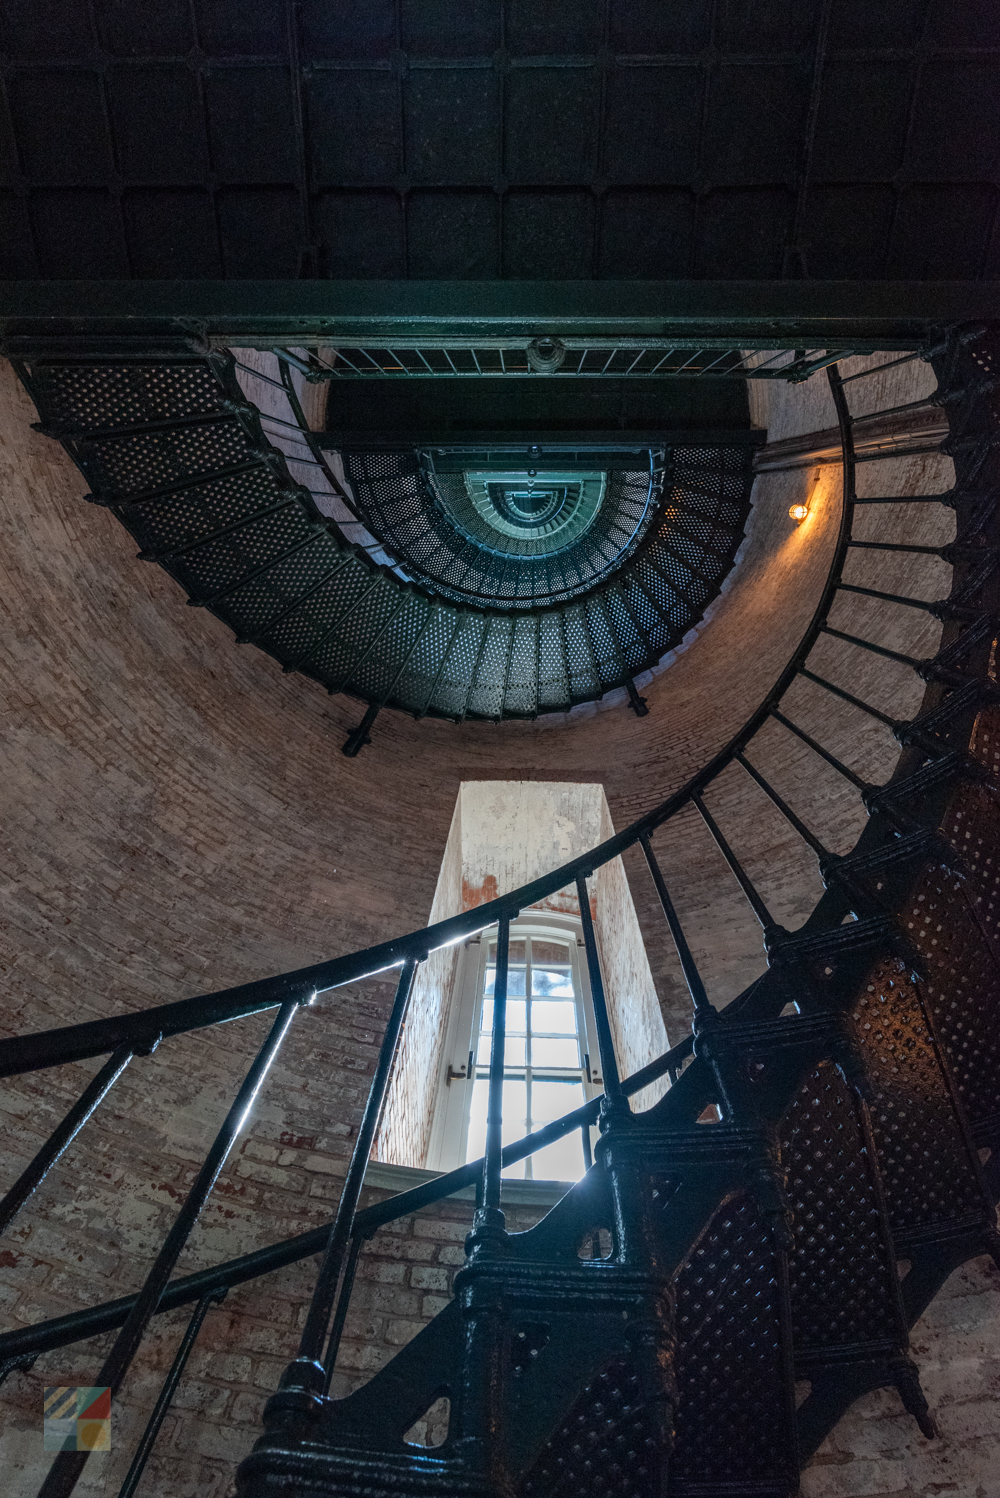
449	1131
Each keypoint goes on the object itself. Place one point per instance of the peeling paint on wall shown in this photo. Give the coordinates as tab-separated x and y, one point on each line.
503	835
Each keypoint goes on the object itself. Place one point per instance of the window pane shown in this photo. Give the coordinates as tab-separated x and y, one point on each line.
477	1119
549	1017
554	1052
516	1015
543	952
514	1121
550	1100
513	1051
563	1160
516	951
552	982
515	981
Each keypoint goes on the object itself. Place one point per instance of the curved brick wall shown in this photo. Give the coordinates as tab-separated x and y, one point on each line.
178	817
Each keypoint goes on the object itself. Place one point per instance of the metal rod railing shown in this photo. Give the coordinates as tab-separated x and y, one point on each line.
817	748
492	1161
746	884
63	1135
167	1391
602	1020
696	988
790	816
343	1301
68	1465
309	1365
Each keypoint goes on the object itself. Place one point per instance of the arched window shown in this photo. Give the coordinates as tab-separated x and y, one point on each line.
550	1059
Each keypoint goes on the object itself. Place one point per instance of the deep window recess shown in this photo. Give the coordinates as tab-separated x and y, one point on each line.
550	1060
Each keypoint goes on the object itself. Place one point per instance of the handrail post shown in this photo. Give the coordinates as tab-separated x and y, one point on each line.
616	1099
308	1371
167	1392
703	1006
489	1225
63	1135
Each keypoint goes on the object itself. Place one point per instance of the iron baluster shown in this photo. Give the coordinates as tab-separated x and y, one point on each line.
561	634
742	878
65	1470
433	610
873	712
474	674
344	1299
62	1331
621	670
927	551
63	1135
301	659
459	621
284	613
939	607
585	627
891	655
167	1391
878	368
588	1155
309	438
164	491
505	688
537	683
808	837
344	681
806	738
170	553
605	1040
489	1215
927	400
308	1370
696	987
258	375
318	532
640	632
947	498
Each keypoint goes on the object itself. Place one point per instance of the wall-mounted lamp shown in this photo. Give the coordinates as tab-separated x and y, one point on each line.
798	513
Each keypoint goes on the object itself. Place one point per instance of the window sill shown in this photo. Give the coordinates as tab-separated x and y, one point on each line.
385	1177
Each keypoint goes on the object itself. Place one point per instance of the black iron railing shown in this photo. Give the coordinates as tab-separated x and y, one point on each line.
855	912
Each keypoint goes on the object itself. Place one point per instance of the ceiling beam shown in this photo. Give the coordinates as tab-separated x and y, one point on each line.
36	316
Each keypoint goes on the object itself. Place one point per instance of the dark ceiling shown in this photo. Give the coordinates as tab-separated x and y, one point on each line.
481	139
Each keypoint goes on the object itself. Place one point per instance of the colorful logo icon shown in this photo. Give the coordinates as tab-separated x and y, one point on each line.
77	1417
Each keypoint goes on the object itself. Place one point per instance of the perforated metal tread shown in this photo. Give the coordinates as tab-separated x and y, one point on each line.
176	451
684	514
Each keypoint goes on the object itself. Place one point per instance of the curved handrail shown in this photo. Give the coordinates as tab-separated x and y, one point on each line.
60	1331
96	1037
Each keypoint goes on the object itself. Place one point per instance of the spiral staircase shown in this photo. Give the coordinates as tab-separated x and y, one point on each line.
391	585
827	1151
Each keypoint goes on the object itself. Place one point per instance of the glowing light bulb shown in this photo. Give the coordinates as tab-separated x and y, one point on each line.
798	513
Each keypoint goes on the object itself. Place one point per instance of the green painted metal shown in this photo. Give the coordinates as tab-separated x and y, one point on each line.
754	314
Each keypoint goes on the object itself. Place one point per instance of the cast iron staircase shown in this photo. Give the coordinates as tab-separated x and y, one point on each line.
834	1126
